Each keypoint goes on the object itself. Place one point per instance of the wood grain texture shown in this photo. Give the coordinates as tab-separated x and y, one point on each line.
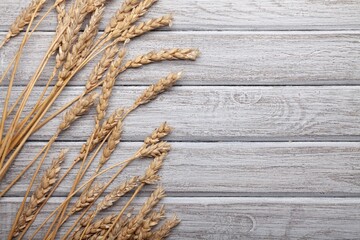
228	169
231	15
246	218
231	58
230	114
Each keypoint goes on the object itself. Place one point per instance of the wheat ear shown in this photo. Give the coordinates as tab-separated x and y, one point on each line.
86	198
136	222
102	132
165	229
108	85
130	18
81	48
101	66
163	55
154	90
145	27
95	228
112	142
40	193
23	19
144	231
120	14
79	108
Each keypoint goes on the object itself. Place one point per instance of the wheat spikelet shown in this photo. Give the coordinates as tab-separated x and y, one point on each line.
23	19
102	132
154	90
79	108
87	197
134	223
144	27
37	198
112	142
158	134
120	14
165	229
130	18
144	231
101	66
108	84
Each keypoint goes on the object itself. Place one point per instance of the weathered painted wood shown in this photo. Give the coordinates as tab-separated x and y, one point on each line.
227	169
245	218
230	15
230	113
231	58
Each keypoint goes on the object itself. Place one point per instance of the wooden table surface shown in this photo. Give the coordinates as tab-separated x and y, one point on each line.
267	122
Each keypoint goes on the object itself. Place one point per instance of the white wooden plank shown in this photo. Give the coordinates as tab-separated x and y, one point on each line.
231	58
230	15
230	113
245	218
227	169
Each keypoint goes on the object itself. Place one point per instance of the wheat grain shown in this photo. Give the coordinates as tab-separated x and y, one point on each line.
79	108
37	198
165	229
134	223
108	85
23	19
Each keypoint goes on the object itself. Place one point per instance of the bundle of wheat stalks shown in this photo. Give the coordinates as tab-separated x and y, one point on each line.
87	208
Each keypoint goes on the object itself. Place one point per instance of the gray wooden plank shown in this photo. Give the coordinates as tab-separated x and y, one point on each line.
230	15
244	218
229	113
226	169
231	58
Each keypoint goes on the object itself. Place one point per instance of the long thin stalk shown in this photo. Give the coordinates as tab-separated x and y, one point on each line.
12	78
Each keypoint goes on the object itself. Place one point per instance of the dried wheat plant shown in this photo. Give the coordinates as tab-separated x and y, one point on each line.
86	211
